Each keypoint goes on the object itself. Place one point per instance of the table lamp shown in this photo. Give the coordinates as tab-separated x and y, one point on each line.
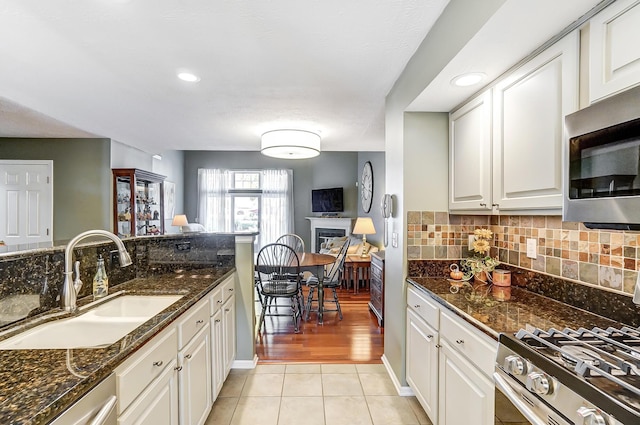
180	220
364	226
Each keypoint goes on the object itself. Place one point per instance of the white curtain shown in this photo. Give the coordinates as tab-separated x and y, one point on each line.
276	203
276	207
214	206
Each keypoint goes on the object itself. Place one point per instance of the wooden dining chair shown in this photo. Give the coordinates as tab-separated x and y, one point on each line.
297	244
332	279
278	269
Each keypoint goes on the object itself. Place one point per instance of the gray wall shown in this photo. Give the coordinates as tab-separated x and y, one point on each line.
378	166
81	180
330	169
405	157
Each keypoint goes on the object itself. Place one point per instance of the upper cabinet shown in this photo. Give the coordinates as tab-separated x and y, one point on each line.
470	155
528	128
506	144
614	51
138	198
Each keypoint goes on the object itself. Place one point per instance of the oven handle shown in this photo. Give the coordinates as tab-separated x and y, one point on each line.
526	411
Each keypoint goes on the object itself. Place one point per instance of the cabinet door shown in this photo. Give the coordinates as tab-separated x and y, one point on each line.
158	404
470	155
529	110
195	379
217	353
422	363
466	395
614	53
229	333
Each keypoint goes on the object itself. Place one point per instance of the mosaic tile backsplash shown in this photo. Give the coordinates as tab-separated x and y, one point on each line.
604	258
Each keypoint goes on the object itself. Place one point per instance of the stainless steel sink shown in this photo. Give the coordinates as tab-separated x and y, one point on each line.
99	326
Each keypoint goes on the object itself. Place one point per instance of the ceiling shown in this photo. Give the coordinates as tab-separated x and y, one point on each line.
107	68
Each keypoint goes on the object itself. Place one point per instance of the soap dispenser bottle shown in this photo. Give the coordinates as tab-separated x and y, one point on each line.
100	281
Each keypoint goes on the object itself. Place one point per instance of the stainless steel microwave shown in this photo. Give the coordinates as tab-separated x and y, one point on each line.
602	163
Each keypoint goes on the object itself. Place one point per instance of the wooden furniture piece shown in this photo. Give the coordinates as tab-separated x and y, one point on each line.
356	267
138	202
332	280
376	303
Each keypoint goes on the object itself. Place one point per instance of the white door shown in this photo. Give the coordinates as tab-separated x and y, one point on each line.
26	211
229	325
217	353
195	379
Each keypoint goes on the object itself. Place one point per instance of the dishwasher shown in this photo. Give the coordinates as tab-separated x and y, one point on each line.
97	407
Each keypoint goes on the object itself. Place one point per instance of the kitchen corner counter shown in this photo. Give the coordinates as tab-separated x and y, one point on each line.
524	309
37	385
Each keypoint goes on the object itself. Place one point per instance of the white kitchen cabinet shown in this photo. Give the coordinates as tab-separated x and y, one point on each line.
528	134
158	404
422	363
466	395
448	364
470	155
506	144
195	379
223	332
614	51
229	332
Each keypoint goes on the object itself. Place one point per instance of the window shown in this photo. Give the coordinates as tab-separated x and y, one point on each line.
246	201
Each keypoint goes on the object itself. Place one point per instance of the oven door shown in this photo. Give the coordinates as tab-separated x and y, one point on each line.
512	394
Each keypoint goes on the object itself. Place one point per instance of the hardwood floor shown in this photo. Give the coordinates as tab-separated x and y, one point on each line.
355	339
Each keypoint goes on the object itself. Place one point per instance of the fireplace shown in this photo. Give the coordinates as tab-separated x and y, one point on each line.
322	235
323	228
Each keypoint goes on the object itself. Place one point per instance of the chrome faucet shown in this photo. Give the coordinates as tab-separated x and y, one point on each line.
71	287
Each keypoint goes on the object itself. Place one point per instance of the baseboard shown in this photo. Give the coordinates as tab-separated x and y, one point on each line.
245	364
404	391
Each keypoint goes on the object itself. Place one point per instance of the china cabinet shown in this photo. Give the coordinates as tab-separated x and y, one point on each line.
138	198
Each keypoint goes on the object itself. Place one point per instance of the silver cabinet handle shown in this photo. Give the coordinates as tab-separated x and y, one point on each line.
459	341
103	414
231	289
483	204
429	337
219	301
178	368
416	306
188	356
158	363
217	320
199	322
226	309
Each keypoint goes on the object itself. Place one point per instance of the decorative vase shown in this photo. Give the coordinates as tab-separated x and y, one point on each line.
480	278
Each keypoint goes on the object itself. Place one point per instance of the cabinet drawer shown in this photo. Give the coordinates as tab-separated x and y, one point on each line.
215	300
228	288
480	349
195	319
139	370
376	273
426	309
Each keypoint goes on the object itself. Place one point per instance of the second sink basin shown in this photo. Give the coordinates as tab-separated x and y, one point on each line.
100	326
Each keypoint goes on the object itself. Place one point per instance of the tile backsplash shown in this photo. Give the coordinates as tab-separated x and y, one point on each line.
605	258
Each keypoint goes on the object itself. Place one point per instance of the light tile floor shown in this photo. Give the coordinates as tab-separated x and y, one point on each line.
314	394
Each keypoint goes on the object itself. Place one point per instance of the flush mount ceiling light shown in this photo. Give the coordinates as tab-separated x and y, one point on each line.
188	77
290	144
469	79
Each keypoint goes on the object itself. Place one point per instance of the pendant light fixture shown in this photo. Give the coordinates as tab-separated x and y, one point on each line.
290	144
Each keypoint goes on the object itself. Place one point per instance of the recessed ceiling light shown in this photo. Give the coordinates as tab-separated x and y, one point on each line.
469	79
188	77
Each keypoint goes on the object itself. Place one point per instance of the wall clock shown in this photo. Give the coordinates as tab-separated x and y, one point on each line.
366	186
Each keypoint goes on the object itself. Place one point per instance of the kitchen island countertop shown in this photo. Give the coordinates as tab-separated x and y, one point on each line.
38	385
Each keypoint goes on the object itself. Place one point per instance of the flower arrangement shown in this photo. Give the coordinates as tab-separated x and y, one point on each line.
481	265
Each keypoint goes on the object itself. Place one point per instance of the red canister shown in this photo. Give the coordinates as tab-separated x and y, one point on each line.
501	277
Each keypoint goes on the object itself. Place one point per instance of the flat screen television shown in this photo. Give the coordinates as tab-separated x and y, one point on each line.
327	200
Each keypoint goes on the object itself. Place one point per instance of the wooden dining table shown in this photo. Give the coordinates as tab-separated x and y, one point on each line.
314	263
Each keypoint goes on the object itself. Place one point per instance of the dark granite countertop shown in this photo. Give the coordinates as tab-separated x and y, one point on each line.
523	310
37	385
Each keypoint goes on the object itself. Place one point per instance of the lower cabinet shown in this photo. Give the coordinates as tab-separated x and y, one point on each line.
466	395
195	379
422	362
176	376
448	364
158	404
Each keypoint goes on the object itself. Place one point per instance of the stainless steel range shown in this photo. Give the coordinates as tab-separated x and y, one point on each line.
572	376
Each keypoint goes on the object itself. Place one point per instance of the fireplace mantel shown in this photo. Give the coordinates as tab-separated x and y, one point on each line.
330	223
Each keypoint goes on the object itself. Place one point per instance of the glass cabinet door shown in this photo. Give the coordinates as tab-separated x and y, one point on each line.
139	201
